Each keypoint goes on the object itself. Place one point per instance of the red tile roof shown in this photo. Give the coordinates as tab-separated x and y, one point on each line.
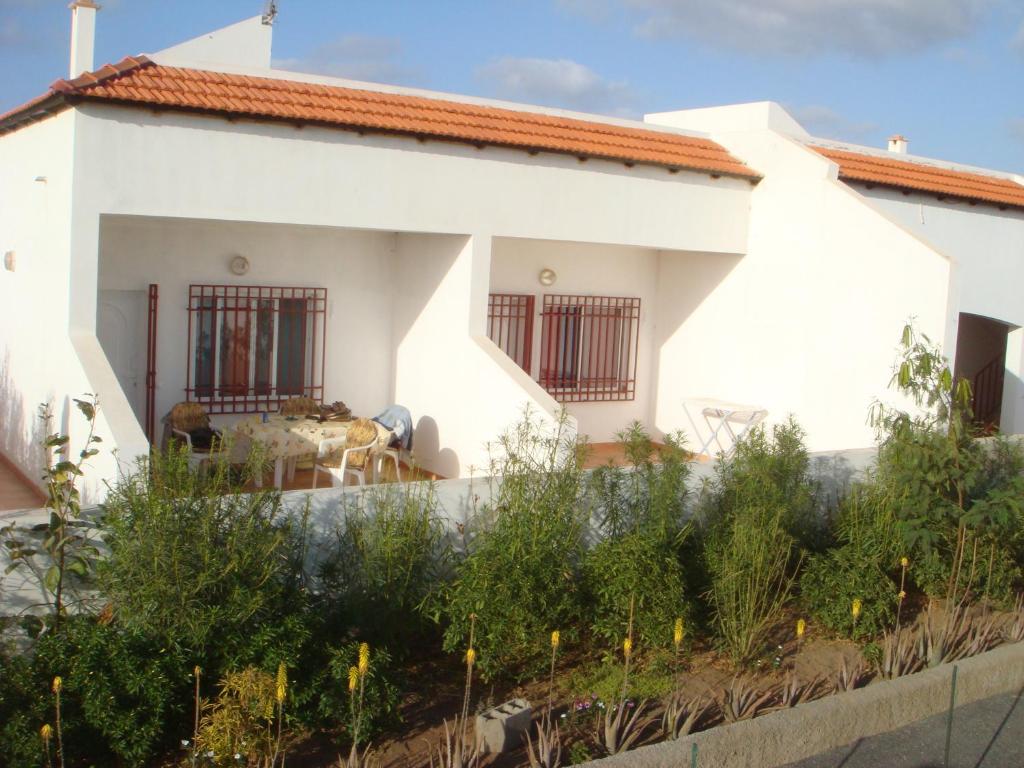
921	177
139	81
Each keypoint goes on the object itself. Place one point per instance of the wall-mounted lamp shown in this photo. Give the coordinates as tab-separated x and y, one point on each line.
9	261
547	276
239	265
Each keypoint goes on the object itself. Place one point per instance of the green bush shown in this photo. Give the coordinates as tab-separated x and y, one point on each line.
519	572
639	514
390	559
758	506
861	566
958	500
120	692
202	567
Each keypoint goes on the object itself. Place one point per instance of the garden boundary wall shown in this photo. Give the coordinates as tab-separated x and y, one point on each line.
809	729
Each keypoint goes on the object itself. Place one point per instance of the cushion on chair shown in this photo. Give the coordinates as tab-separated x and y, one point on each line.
361	432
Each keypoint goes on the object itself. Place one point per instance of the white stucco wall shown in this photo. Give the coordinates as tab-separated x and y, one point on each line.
595	270
354	266
986	246
808	320
136	163
40	357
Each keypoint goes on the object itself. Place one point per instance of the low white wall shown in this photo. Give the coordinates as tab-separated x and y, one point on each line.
594	270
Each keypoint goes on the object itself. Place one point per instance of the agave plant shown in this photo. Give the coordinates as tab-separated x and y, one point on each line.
622	725
740	700
900	655
848	678
1013	629
681	714
945	639
793	692
455	749
548	750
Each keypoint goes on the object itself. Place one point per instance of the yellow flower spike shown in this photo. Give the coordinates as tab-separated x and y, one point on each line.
470	657
677	633
197	671
57	683
46	733
801	627
555	639
627	647
855	608
902	595
353	679
904	562
364	659
282	682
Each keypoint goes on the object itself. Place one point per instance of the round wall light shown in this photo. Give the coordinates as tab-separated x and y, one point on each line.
547	276
239	265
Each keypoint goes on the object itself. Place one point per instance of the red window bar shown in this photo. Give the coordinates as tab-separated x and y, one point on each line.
510	326
589	347
252	347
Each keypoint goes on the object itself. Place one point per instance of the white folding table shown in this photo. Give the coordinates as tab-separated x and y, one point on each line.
718	416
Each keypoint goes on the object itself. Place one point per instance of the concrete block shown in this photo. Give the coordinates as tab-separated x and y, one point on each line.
501	728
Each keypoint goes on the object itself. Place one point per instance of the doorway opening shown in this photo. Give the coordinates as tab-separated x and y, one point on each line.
981	359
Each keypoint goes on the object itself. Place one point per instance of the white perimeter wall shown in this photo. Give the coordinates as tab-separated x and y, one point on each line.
808	321
595	270
986	246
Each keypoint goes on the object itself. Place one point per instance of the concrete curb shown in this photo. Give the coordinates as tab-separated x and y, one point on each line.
809	729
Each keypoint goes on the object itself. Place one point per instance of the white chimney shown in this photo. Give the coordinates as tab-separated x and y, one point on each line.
898	144
83	36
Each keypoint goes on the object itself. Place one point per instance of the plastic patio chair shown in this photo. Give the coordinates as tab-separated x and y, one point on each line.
326	454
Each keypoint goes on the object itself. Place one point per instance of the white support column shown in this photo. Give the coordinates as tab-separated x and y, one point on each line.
1011	420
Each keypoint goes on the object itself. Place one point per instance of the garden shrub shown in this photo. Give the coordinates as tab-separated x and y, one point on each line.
959	500
864	565
753	512
202	567
390	559
639	515
523	550
120	691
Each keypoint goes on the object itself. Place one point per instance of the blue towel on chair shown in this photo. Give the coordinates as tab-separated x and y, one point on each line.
398	419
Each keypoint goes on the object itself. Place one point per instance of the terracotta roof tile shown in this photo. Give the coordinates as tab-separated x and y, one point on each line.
922	177
140	81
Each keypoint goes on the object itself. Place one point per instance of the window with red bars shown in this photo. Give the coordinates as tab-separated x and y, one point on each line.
510	326
252	347
589	347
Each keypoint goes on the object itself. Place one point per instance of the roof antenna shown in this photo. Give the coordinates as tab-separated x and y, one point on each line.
269	12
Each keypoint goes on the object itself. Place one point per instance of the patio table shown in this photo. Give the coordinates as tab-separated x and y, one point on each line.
284	437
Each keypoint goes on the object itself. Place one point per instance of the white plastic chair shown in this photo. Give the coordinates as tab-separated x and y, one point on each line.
196	458
330	446
378	466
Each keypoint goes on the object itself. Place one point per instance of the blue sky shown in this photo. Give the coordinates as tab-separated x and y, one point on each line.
949	74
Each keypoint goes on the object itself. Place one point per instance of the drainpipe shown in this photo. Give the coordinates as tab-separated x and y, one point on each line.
83	36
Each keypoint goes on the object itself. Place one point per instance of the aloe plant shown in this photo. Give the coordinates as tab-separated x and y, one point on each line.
849	677
681	714
793	692
900	655
740	700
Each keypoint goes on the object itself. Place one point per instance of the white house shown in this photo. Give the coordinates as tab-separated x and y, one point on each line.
195	225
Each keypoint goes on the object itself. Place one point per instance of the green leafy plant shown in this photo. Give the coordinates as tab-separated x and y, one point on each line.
832	580
519	573
758	505
391	557
640	513
65	549
241	726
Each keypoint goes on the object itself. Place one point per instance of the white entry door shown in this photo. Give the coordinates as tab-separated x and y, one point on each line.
121	329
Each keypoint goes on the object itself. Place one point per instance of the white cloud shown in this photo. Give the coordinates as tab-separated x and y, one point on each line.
806	27
556	83
357	57
1015	127
826	123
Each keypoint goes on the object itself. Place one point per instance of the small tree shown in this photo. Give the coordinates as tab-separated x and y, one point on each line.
65	548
